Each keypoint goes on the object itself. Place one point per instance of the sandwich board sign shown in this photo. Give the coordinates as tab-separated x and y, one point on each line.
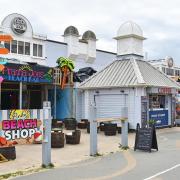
145	139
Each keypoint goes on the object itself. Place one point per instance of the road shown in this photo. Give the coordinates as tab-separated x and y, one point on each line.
125	165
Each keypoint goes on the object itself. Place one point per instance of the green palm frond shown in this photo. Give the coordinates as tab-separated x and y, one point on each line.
65	62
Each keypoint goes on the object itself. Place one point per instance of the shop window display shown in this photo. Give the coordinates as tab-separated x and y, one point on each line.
157	101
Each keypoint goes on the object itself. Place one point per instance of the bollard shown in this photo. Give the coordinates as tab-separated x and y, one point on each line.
46	142
124	134
93	131
124	127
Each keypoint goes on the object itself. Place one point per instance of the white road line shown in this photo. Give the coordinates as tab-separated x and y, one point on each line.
174	167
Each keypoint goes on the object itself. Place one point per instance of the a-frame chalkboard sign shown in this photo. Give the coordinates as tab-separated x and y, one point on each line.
145	139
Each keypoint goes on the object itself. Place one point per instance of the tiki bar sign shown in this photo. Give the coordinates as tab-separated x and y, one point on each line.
27	73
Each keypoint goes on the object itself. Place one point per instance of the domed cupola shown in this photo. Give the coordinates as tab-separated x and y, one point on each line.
89	35
71	30
130	28
130	40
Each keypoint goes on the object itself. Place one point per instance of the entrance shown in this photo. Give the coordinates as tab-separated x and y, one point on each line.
9	99
31	96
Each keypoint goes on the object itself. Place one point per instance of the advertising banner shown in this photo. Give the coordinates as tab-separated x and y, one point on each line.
160	116
27	73
22	126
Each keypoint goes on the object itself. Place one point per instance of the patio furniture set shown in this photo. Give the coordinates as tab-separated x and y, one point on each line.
59	138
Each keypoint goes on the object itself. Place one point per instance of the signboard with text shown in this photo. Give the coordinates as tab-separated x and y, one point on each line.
21	126
160	116
144	110
27	73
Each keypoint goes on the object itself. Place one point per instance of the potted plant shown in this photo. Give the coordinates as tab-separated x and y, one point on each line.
151	122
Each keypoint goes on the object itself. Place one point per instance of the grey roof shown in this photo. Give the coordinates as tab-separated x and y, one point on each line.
89	35
129	73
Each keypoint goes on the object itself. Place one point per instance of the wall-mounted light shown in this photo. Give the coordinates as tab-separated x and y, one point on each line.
97	92
122	91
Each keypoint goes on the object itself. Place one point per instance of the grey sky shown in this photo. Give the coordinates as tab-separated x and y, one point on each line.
159	19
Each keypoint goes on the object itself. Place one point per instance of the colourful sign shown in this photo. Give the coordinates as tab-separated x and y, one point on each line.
27	73
6	37
178	106
21	126
165	90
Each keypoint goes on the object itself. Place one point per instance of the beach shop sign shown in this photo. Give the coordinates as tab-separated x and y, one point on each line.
20	125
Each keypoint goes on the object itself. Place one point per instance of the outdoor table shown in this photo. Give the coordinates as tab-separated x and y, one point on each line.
57	130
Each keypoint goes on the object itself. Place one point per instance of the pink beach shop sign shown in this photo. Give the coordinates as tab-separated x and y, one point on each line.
21	126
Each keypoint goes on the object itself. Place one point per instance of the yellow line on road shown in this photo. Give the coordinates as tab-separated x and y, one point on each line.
82	163
131	164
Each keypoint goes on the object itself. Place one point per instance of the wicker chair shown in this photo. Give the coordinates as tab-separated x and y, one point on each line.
57	139
83	124
70	123
57	123
74	138
110	129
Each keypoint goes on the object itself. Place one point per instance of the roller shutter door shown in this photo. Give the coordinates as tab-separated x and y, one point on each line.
109	105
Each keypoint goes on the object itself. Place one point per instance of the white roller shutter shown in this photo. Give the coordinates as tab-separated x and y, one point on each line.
109	105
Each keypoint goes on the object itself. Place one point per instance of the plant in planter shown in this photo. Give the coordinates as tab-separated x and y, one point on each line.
151	122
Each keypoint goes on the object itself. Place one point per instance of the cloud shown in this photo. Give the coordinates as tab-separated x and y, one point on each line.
159	20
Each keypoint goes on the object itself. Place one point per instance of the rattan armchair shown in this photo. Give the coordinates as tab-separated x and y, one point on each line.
74	138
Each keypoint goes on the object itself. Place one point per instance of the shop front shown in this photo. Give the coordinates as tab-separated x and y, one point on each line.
24	86
161	106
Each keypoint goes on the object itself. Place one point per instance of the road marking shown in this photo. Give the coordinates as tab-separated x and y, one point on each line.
158	174
81	163
131	164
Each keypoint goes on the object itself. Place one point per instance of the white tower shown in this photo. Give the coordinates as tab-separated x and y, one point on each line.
90	38
130	41
71	37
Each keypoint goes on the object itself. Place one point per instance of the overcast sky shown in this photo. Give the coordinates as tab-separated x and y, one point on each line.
159	20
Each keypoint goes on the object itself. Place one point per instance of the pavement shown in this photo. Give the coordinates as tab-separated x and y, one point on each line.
29	156
74	162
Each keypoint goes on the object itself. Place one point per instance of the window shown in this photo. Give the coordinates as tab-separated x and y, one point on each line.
170	72
37	50
7	45
27	48
34	49
14	46
20	47
40	50
177	72
164	70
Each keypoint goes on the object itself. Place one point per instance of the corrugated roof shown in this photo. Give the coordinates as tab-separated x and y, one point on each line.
128	73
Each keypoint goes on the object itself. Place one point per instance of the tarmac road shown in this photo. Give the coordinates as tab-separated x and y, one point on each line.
125	165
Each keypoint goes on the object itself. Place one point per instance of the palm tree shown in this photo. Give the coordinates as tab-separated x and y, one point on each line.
66	65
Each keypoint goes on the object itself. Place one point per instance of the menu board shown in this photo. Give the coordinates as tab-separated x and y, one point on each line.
145	139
